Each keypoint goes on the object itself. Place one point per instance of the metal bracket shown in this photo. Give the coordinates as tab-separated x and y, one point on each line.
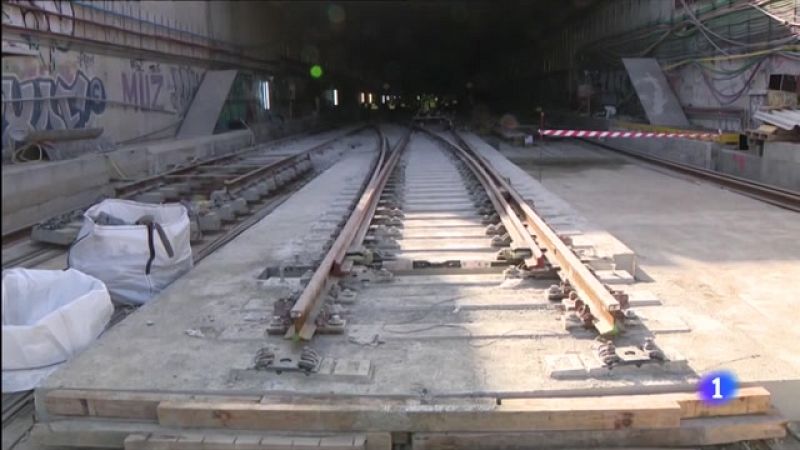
308	361
630	355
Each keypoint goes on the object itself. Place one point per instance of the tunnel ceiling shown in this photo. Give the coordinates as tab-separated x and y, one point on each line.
425	46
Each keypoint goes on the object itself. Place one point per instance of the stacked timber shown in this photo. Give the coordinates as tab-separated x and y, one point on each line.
139	420
779	124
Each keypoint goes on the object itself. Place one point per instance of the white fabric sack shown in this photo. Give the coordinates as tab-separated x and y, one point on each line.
120	255
48	316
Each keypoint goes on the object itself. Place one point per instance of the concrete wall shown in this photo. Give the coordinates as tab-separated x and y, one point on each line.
73	70
139	161
778	166
589	50
73	89
691	85
782	164
38	191
685	151
131	68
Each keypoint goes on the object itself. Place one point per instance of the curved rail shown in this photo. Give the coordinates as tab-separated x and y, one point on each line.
310	299
602	304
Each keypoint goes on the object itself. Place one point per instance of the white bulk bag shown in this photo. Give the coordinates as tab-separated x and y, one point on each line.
47	317
133	260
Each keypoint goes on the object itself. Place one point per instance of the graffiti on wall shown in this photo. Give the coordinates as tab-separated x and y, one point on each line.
146	86
185	82
47	103
53	16
142	87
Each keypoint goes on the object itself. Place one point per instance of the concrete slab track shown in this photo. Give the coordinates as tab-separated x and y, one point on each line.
720	299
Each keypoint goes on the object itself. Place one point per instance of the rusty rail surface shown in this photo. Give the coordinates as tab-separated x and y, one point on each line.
603	305
311	298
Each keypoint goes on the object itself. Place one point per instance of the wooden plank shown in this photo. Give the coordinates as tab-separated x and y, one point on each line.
119	404
691	433
588	413
749	400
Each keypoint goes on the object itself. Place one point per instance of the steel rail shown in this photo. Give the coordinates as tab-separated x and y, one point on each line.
603	306
773	195
364	226
310	299
520	237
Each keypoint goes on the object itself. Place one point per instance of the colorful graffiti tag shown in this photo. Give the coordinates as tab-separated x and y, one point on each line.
47	103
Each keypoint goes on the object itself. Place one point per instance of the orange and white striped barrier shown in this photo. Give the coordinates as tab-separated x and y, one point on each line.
627	134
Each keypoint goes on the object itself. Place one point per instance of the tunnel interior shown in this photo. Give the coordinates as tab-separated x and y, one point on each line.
400	225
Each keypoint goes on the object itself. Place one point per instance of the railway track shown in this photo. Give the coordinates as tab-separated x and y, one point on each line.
426	320
223	194
262	180
445	209
773	195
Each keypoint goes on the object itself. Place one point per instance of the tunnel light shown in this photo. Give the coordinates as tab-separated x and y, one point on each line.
265	95
362	98
370	98
335	97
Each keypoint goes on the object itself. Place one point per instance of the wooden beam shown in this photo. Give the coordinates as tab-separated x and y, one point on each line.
143	405
120	404
585	413
749	400
691	433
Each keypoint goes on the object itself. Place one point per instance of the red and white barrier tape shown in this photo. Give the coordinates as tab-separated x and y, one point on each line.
626	134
